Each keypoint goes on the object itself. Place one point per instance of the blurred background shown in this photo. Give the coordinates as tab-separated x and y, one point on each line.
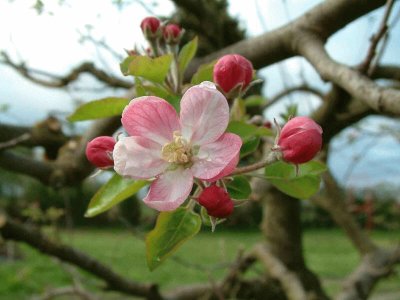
51	38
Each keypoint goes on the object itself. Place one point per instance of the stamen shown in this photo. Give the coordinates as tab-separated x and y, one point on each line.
178	151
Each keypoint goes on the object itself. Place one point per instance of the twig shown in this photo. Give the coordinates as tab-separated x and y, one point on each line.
365	66
62	81
287	91
69	290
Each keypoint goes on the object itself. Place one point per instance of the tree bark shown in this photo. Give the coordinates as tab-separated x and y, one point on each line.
281	226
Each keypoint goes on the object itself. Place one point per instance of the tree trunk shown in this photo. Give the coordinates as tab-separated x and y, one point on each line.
281	226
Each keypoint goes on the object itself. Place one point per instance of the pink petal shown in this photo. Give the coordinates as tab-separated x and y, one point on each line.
138	157
227	170
217	159
170	190
152	118
204	114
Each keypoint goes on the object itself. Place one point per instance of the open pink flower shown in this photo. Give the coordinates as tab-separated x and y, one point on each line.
175	149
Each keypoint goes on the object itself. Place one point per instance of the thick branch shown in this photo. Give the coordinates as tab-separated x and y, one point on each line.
381	99
26	165
271	47
289	280
14	231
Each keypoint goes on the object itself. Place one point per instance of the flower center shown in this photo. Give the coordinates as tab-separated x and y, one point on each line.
178	151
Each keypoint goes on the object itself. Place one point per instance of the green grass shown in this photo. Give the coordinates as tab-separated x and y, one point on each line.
328	253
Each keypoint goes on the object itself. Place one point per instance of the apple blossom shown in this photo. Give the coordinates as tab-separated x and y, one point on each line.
299	140
216	201
99	151
176	149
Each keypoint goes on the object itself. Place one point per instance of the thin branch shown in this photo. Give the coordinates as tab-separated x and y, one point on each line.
56	81
64	291
366	66
299	88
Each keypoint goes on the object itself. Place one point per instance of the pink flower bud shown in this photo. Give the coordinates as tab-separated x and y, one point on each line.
300	140
216	201
150	26
172	34
233	71
99	151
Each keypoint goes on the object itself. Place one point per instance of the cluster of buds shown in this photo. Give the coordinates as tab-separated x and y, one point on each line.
233	73
153	29
216	201
299	140
99	151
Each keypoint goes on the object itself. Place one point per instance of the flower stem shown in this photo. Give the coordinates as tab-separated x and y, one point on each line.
270	159
192	201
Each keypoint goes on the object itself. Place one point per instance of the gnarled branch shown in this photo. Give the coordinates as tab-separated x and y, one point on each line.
360	87
12	230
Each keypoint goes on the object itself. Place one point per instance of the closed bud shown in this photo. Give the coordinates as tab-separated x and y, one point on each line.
150	27
99	152
172	34
299	140
233	73
216	201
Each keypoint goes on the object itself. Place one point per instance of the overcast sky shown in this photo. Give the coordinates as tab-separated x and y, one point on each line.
50	42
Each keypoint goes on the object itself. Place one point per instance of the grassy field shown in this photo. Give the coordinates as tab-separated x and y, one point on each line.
328	253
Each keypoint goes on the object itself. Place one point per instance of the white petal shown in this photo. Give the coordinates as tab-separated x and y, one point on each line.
138	157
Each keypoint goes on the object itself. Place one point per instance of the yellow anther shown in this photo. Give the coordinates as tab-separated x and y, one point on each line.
178	151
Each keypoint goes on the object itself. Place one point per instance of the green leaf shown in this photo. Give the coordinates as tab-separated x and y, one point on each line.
239	188
172	229
204	73
186	55
303	186
255	101
97	109
139	88
124	66
161	92
113	192
246	131
153	69
249	146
